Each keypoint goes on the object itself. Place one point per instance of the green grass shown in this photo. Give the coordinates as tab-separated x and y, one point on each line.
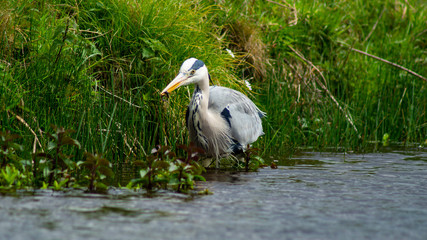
97	67
380	98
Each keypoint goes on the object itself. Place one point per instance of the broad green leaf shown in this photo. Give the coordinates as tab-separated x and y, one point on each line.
199	178
106	171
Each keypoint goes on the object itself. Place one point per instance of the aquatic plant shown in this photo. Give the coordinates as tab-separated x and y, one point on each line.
58	186
185	171
163	170
57	161
9	148
154	169
12	171
12	178
252	159
98	169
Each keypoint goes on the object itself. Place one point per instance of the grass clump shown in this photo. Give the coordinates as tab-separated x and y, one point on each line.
311	49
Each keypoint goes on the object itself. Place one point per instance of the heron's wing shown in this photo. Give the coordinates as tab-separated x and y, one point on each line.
242	115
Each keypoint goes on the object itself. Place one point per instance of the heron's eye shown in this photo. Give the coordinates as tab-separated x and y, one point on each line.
192	72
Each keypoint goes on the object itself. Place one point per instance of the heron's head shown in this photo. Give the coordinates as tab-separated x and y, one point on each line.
192	71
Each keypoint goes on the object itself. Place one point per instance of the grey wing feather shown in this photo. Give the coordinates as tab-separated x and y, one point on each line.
244	116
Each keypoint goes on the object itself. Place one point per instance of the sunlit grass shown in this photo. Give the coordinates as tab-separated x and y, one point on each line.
380	98
97	67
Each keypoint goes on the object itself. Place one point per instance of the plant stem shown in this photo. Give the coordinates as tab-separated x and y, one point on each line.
386	61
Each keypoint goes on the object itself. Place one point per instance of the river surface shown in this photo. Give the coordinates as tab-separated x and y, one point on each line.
310	196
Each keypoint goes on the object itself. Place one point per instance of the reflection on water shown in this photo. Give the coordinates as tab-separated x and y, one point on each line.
311	196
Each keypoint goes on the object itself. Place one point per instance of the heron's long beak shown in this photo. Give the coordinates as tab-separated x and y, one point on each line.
176	82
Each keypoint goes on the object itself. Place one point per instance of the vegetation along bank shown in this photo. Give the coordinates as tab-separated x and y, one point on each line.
80	82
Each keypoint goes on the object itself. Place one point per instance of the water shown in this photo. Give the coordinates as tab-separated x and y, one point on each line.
311	196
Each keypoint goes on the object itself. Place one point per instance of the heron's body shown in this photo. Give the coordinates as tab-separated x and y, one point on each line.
220	120
229	124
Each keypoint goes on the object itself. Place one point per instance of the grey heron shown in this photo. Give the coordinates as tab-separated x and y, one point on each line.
220	120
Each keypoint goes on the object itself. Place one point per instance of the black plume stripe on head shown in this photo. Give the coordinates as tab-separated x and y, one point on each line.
197	64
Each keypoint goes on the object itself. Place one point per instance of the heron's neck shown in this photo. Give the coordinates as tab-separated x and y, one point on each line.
203	88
